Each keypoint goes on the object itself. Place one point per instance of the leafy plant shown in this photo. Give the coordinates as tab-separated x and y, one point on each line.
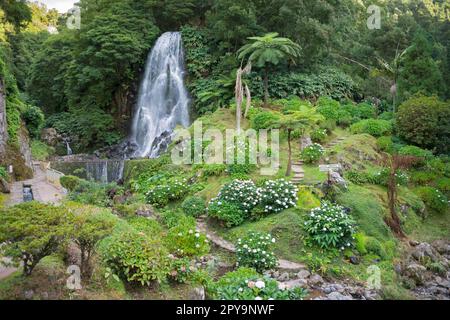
312	153
254	251
330	226
229	213
184	240
160	195
31	231
376	128
278	195
194	206
434	200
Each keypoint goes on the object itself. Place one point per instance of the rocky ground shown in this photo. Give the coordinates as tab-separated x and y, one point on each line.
426	270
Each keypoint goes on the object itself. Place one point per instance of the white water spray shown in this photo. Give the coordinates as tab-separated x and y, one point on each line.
163	100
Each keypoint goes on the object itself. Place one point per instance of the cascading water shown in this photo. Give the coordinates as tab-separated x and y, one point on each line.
163	99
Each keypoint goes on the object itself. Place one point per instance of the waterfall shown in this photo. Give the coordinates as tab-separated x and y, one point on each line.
69	149
163	99
104	171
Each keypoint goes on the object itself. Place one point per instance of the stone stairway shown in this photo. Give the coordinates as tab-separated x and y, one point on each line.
283	265
334	143
299	172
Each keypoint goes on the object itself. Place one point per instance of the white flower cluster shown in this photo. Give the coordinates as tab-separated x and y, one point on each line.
243	193
330	226
278	195
253	251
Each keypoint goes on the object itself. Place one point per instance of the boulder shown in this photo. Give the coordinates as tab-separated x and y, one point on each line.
305	142
337	179
442	246
50	136
197	294
416	272
315	279
338	296
303	274
297	283
425	250
4	186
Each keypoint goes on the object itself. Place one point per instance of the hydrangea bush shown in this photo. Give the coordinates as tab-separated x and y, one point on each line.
181	269
184	240
160	195
229	213
245	194
194	206
433	199
278	195
246	284
319	135
329	226
312	153
254	251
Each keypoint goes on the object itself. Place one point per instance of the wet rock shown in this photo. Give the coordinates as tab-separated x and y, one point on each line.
303	274
315	279
297	283
198	294
354	260
416	272
28	294
442	246
338	296
284	277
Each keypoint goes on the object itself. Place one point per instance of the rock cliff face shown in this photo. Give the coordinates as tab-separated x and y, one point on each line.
3	123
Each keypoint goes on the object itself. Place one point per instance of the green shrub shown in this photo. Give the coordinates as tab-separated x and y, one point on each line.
386	116
307	200
161	195
246	284
360	243
443	184
40	151
265	120
242	193
357	177
98	194
422	177
31	231
239	170
255	251
34	120
434	200
194	206
277	195
374	246
329	108
376	128
312	153
415	152
213	170
424	121
183	240
329	125
330	227
3	173
148	226
229	213
70	182
135	256
181	269
386	144
319	135
382	177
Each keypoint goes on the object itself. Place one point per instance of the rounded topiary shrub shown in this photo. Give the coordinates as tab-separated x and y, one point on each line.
424	121
194	206
135	256
255	251
228	213
278	195
69	182
330	226
376	128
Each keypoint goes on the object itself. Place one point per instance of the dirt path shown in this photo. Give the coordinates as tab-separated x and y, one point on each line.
283	265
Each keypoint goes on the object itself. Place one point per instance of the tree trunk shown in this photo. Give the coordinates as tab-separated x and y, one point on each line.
266	86
289	165
394	221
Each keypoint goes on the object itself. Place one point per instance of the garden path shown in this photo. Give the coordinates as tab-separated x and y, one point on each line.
283	265
43	192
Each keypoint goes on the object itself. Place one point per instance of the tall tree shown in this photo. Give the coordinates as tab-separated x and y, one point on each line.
269	50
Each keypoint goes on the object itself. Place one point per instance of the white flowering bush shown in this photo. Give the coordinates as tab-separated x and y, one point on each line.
184	240
278	195
246	284
330	226
245	194
255	251
229	214
160	195
313	153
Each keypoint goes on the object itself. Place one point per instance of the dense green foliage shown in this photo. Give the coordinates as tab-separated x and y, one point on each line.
424	121
255	251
